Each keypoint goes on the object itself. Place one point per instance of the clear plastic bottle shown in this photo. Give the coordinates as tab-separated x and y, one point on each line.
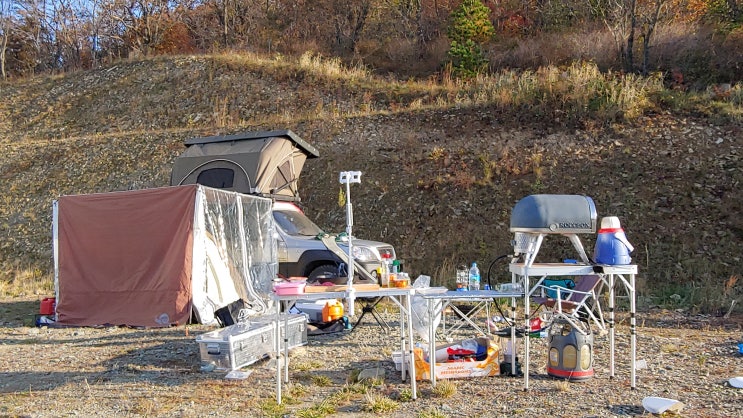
384	270
462	278
474	277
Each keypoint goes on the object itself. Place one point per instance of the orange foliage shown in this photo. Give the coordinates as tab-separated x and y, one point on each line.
176	40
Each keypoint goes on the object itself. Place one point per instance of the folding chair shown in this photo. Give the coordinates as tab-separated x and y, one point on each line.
574	304
368	305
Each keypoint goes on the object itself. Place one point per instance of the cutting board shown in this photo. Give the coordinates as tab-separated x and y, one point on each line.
340	288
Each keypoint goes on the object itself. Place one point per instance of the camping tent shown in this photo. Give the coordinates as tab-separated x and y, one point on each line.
151	257
266	163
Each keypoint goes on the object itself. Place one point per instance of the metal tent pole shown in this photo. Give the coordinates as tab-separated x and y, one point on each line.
348	177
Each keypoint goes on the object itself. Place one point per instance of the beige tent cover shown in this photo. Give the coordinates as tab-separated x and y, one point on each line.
266	163
98	283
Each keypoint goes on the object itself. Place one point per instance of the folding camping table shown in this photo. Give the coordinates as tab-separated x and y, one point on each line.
523	273
465	316
437	302
400	296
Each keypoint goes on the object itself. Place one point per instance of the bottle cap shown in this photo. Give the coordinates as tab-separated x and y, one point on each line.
610	222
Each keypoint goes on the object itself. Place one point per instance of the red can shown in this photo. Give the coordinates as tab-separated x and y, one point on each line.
535	324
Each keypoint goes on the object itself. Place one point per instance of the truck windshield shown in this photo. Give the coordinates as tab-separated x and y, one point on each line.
295	223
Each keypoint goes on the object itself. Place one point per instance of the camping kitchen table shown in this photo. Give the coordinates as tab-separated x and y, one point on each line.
437	302
400	296
466	316
625	274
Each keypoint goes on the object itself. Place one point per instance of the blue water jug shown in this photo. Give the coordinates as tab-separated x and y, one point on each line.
612	246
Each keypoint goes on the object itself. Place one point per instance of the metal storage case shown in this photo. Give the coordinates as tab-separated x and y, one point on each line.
242	344
297	334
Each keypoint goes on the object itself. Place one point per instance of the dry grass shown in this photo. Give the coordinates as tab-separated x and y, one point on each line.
26	282
562	385
445	389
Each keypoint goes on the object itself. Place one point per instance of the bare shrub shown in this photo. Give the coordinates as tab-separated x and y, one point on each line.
298	47
588	44
727	59
405	57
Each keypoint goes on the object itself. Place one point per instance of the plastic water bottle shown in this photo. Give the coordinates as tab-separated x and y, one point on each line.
386	269
474	277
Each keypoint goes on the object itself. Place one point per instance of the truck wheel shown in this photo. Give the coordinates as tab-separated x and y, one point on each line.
324	273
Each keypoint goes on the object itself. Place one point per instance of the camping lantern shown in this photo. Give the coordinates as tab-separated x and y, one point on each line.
570	353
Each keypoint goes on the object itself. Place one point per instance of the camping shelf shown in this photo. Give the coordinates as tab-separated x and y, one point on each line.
524	274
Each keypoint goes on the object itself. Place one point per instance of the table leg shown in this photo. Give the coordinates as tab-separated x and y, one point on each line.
411	372
286	345
611	325
432	338
403	351
633	330
526	343
277	351
467	318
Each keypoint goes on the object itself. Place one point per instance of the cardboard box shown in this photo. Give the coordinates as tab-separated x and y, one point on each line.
242	344
464	369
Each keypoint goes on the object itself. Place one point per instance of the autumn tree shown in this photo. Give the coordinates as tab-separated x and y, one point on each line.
628	20
469	29
6	21
141	25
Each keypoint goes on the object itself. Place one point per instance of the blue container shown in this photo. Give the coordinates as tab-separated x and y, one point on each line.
612	246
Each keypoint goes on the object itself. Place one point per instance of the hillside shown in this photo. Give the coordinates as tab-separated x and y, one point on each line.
438	181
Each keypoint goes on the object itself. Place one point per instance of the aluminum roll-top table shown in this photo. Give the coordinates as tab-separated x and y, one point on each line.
400	296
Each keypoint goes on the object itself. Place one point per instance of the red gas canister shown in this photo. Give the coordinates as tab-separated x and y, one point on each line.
48	306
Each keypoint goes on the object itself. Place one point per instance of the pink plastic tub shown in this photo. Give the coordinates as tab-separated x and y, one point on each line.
289	288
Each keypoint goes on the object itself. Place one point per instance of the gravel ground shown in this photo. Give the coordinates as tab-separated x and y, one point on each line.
117	371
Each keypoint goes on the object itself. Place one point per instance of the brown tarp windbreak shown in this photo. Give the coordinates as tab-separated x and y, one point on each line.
98	237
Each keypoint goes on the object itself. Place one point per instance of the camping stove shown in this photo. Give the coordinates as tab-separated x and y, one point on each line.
536	216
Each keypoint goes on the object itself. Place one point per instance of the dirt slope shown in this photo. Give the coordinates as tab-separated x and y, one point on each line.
438	183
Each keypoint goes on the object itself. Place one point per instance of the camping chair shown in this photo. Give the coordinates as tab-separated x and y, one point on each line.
368	305
574	304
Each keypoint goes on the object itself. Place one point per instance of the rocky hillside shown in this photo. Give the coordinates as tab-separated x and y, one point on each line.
438	181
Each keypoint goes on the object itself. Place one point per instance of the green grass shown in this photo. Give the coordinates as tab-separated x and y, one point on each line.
432	413
379	404
323	409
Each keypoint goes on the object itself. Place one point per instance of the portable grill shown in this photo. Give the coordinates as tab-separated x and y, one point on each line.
536	216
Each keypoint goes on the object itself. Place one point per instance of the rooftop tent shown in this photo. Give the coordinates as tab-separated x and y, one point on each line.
266	163
152	257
